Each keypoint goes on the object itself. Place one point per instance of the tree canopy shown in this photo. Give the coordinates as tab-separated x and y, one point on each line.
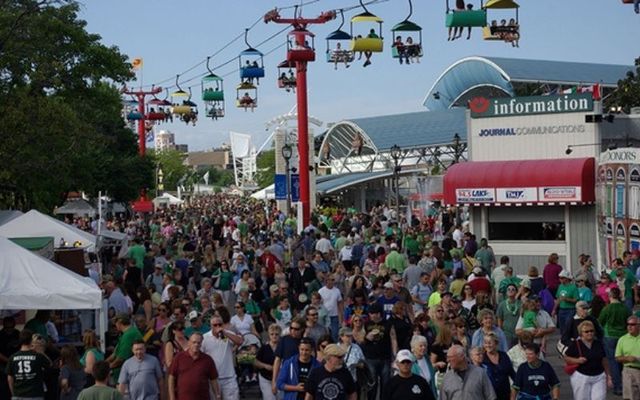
60	110
628	93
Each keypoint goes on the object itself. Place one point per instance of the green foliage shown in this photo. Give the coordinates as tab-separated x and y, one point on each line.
628	93
60	111
171	162
266	165
219	177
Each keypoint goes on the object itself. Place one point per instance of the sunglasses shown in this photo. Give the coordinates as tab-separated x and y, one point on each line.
405	362
216	325
162	310
631	324
312	315
588	331
294	328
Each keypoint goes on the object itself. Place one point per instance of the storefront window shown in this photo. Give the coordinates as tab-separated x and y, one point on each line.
526	231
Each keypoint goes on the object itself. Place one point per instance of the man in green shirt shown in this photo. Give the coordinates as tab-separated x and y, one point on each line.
137	252
613	319
101	390
395	261
122	352
37	324
628	354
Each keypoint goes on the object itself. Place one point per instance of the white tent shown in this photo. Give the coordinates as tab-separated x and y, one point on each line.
167	198
8	215
267	193
34	223
31	282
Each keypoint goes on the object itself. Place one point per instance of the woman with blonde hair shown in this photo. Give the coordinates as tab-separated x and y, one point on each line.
92	352
438	351
498	367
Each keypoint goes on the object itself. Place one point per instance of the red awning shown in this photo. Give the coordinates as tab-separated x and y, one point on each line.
142	206
555	181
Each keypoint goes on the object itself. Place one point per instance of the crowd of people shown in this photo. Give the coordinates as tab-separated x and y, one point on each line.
225	293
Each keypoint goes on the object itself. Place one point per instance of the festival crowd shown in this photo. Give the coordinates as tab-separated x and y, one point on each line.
224	293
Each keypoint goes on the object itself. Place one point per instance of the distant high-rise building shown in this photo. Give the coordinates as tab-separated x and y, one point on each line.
165	140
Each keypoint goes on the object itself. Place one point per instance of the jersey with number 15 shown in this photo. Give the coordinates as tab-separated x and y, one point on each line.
27	369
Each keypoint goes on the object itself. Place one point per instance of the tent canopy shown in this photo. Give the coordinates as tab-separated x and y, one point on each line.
8	215
76	207
167	198
34	223
30	282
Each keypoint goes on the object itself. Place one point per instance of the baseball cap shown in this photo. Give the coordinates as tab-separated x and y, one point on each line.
565	274
393	246
582	304
477	270
446	294
534	297
404	355
388	285
193	315
345	331
333	350
107	278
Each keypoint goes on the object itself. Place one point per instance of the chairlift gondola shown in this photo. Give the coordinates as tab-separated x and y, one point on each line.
155	109
466	18
301	46
213	94
251	63
338	52
370	42
409	49
246	96
286	75
505	32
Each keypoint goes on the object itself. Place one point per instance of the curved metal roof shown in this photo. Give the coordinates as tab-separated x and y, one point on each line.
499	74
412	130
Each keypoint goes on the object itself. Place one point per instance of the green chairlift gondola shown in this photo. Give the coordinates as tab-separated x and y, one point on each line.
410	48
466	18
213	94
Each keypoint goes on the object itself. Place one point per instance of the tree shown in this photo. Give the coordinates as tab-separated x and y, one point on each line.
60	110
171	161
266	166
628	93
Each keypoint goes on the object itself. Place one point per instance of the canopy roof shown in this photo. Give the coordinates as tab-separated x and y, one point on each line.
501	4
549	181
36	224
366	17
76	207
30	282
8	215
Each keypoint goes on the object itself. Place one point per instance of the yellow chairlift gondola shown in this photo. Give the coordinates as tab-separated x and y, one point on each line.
408	50
505	31
213	94
336	46
370	43
286	76
246	96
464	16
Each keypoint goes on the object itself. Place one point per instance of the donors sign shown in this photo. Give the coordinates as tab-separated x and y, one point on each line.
517	195
482	107
560	193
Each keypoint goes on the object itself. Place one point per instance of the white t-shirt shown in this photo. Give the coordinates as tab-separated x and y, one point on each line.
324	246
330	299
221	350
243	326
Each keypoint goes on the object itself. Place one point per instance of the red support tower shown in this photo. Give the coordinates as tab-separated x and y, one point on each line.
301	53
142	204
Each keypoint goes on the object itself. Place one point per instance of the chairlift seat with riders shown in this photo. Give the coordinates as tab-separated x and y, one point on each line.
466	18
363	42
413	49
301	46
246	95
337	51
286	81
490	32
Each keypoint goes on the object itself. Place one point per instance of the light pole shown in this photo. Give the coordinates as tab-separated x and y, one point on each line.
286	154
456	148
395	154
159	184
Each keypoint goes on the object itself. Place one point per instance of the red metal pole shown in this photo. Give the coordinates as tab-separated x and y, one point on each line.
303	140
142	134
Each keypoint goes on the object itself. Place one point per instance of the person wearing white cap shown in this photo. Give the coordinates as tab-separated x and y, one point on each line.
406	385
566	299
331	381
394	260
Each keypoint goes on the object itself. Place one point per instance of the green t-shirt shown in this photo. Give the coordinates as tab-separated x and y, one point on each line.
36	326
99	393
569	290
226	277
27	369
137	252
412	246
123	349
629	346
395	262
613	319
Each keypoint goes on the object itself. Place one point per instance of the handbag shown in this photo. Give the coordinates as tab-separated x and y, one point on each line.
569	369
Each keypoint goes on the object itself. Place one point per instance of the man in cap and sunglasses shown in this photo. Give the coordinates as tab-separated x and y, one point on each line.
331	380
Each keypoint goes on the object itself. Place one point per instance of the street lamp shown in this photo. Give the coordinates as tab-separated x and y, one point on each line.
287	151
395	154
456	148
160	179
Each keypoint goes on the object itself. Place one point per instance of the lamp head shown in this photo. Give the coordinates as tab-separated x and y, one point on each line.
569	150
287	151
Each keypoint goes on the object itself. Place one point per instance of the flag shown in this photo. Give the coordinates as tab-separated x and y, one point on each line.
571	90
136	63
594	89
206	178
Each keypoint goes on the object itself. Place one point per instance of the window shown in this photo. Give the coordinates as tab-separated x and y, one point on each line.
526	224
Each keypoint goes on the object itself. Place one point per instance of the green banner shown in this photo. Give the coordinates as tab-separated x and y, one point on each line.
482	107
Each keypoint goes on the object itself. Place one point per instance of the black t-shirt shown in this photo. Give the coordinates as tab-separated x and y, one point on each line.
28	369
594	356
336	385
267	356
303	373
413	388
380	347
536	381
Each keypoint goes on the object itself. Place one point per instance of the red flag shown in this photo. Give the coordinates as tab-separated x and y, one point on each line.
596	92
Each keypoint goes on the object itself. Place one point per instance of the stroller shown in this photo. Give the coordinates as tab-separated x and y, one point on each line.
245	358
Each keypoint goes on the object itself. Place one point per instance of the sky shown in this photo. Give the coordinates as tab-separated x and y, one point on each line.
172	37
